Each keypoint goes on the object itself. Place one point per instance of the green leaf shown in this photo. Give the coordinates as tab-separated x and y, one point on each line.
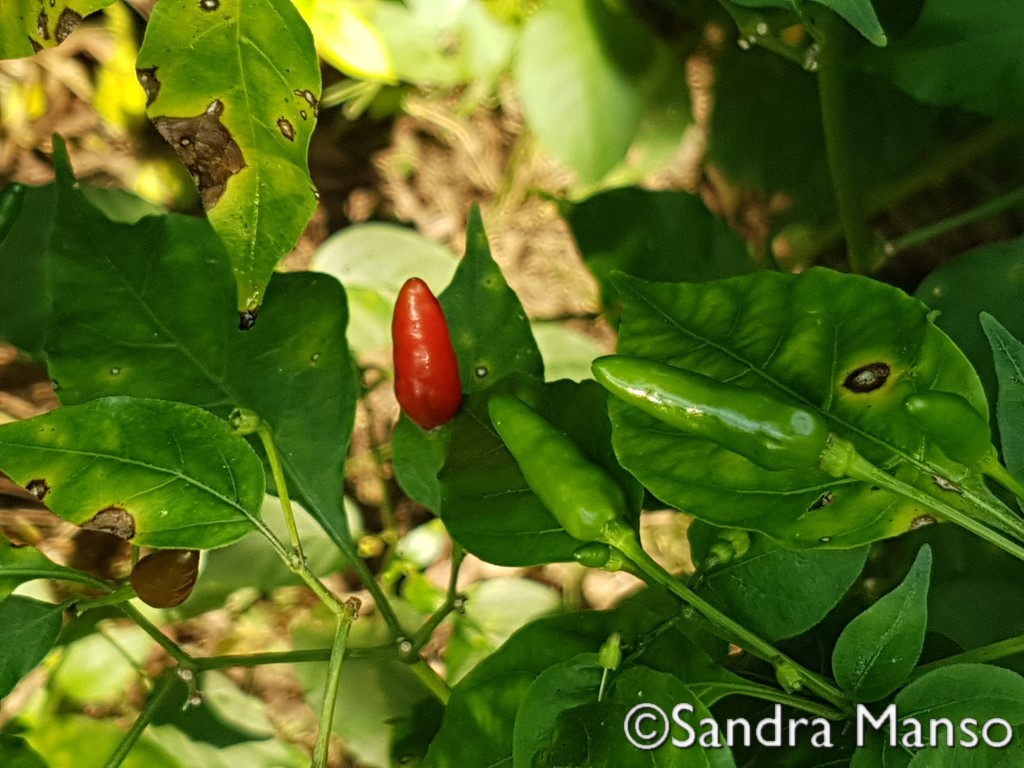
372	261
38	24
981	756
859	14
489	329
99	668
782	593
28	630
131	318
233	86
567	353
16	753
656	235
492	339
157	473
765	132
879	648
964	53
987	279
485	502
21	564
798	338
23	296
958	692
578	68
1008	354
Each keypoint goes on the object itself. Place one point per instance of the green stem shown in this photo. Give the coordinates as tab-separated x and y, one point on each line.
433	681
185	660
1014	199
274	458
323	736
1001	475
835	118
763	692
986	653
164	685
624	539
840	459
452	601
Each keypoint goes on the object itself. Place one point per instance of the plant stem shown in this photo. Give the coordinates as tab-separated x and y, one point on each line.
1010	200
840	459
433	681
323	737
164	685
185	660
992	652
452	601
1001	475
282	487
765	693
835	118
624	539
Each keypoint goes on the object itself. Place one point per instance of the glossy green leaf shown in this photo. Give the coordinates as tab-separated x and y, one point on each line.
21	564
28	630
859	14
157	473
987	279
16	753
233	86
132	318
964	53
801	339
880	647
485	502
781	593
579	66
32	25
1008	354
488	326
492	339
656	235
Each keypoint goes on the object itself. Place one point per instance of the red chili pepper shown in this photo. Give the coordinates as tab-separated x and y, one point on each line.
426	369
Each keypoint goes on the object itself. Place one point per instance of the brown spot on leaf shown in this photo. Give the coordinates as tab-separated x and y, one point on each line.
209	5
115	520
247	319
150	83
302	114
38	488
920	521
286	128
43	25
35	45
206	148
868	378
823	501
310	99
946	485
66	24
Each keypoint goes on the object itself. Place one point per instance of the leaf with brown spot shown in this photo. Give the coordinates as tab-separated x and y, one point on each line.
227	82
29	26
162	474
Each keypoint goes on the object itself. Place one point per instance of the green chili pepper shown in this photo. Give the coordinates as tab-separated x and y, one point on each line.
11	198
953	424
579	494
730	544
593	555
771	433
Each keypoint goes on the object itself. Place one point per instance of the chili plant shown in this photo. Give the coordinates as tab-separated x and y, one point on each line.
854	498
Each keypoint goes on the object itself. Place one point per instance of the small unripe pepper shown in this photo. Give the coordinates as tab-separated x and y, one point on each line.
952	423
165	578
427	381
579	494
771	433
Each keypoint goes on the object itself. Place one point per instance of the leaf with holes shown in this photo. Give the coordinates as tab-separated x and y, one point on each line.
849	347
156	473
39	24
132	319
233	86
